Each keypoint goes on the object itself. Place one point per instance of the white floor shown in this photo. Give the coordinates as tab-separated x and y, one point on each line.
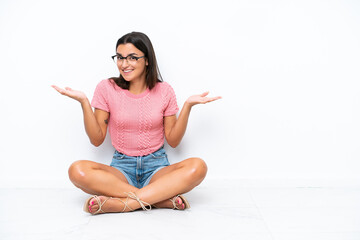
226	210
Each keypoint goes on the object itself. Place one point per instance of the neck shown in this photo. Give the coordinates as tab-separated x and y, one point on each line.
137	87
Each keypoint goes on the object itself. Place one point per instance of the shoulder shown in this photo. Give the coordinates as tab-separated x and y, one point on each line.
166	92
163	86
106	85
164	89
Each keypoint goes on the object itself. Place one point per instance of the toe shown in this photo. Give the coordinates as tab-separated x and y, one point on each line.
180	203
93	206
179	200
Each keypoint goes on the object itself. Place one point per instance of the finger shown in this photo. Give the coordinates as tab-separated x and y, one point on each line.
217	98
204	94
55	87
213	99
69	89
60	90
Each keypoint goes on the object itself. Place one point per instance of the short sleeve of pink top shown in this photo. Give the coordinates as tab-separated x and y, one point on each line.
136	123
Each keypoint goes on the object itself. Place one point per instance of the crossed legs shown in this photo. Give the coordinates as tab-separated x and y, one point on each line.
105	181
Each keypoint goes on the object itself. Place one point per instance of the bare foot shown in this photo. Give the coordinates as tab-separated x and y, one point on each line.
168	204
107	205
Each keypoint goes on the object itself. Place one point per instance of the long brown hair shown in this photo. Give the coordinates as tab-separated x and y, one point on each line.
143	43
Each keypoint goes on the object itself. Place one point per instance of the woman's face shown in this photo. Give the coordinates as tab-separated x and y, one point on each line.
131	68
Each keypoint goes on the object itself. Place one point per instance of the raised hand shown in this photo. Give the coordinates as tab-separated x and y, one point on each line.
201	99
74	94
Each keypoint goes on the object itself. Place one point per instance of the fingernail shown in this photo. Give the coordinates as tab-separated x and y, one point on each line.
92	202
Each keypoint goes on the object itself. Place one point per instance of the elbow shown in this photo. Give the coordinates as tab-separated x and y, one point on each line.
173	144
96	142
173	140
97	139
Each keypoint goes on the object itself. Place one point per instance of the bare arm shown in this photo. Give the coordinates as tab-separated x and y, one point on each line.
175	128
95	122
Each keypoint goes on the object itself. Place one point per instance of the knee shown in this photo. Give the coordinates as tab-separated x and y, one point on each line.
77	172
198	168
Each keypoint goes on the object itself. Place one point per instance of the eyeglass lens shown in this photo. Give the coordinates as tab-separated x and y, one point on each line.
129	59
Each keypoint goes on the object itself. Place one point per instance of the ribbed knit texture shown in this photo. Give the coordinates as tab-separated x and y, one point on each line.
136	123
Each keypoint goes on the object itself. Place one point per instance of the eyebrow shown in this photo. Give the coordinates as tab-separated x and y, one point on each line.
131	54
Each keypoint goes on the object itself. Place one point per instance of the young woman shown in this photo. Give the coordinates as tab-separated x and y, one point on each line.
140	110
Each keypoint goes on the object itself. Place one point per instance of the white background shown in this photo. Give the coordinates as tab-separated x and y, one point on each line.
288	72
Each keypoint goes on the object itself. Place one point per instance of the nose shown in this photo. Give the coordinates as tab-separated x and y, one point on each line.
123	64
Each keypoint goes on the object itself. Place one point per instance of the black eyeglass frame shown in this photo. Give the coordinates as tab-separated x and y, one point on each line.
121	57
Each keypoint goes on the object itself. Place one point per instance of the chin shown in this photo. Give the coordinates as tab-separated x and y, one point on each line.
127	79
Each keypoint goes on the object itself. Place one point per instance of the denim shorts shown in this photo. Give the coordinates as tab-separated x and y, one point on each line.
139	170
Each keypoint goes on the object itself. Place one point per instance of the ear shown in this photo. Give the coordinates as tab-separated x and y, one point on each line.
146	62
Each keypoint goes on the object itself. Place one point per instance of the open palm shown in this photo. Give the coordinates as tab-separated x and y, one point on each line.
201	99
74	94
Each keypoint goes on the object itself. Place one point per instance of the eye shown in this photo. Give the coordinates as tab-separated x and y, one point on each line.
133	58
118	57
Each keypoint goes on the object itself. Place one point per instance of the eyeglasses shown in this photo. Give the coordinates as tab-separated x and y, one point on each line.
131	59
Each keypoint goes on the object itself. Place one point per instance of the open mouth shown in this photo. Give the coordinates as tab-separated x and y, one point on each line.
127	71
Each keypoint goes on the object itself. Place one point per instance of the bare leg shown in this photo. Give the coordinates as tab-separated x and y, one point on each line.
172	180
166	183
99	179
104	181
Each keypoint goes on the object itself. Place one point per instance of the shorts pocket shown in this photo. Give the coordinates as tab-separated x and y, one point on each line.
159	154
118	156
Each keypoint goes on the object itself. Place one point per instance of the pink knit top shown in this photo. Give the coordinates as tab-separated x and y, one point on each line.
136	123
